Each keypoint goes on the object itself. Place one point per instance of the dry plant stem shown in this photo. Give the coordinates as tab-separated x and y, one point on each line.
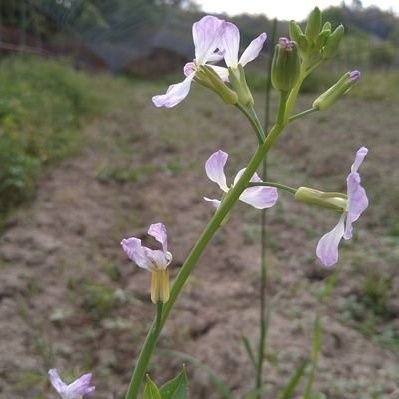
211	228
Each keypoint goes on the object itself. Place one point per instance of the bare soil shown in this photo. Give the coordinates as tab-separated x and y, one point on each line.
70	299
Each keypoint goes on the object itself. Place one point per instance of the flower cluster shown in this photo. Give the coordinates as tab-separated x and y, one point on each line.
214	40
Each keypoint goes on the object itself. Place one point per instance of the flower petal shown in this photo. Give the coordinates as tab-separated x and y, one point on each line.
136	252
158	231
230	44
357	202
158	259
260	197
214	168
253	50
254	179
206	36
360	155
175	93
214	202
81	386
327	247
221	71
56	381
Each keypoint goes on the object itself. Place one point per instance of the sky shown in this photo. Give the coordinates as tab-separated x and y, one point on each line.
283	9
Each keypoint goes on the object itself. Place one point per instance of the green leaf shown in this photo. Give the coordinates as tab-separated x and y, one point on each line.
151	391
248	349
177	388
289	389
222	388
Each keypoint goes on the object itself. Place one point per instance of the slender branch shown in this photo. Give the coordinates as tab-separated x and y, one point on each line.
273	184
254	122
302	114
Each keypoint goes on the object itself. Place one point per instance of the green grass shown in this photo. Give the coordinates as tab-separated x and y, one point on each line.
42	105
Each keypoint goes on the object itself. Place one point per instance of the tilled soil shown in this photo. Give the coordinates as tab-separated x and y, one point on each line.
70	299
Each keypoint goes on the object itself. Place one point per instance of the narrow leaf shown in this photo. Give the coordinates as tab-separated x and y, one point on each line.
151	391
177	388
289	390
248	349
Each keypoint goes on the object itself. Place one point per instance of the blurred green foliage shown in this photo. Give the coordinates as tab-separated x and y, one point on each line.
41	106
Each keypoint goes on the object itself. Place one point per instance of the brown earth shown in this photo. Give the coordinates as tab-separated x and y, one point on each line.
70	299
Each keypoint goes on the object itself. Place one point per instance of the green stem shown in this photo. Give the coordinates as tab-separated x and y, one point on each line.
273	184
188	266
253	119
302	114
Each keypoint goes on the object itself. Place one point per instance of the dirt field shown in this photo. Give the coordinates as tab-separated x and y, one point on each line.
70	299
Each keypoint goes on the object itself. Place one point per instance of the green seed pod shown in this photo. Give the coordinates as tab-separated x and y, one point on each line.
314	24
335	92
286	65
332	43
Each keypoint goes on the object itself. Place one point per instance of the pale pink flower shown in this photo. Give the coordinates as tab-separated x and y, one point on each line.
76	390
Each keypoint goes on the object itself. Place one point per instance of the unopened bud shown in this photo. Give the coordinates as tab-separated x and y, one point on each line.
286	65
296	35
335	201
207	77
239	84
335	92
333	42
326	26
314	24
322	38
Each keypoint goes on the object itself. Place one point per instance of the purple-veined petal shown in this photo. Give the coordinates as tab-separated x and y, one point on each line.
206	36
357	202
136	252
360	155
175	94
230	44
80	387
158	231
221	71
214	202
327	247
261	197
56	381
158	259
214	168
253	50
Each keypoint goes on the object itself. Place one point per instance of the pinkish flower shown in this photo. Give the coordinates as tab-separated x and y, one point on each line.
154	260
259	197
230	45
327	247
75	390
207	33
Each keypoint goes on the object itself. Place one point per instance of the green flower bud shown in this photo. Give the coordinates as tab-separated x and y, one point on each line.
297	36
207	77
335	201
333	42
295	31
286	65
326	26
314	24
335	92
239	84
322	38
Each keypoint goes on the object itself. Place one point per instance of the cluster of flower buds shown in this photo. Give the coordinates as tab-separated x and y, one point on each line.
318	40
